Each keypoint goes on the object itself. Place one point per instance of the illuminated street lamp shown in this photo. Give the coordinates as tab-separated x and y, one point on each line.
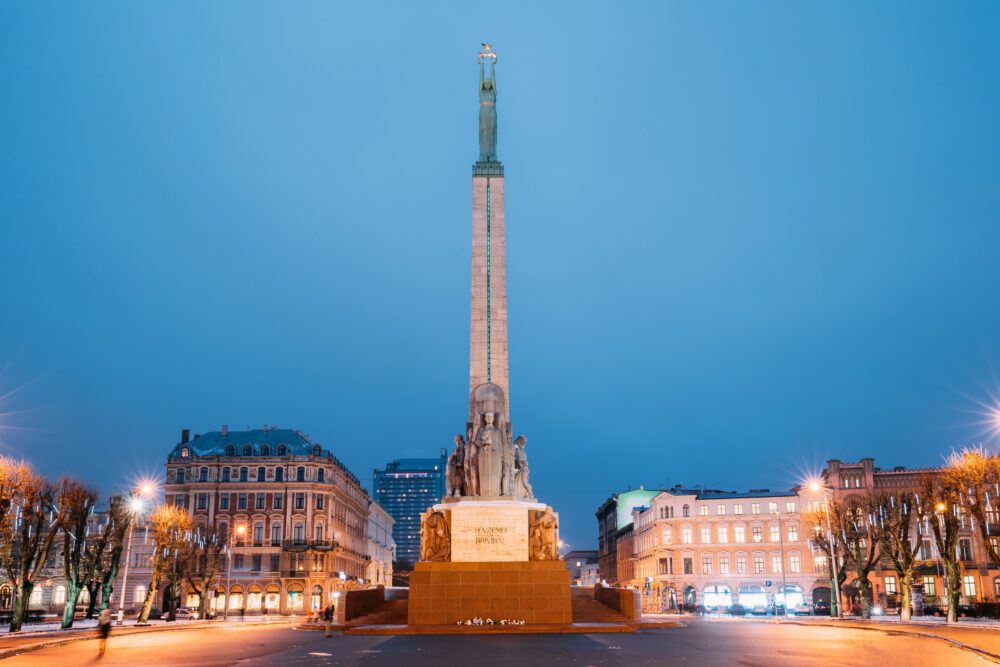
240	530
136	506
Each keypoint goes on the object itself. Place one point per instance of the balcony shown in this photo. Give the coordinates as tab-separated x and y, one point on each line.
303	545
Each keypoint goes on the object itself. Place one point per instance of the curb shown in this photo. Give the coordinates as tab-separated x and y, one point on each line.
130	630
993	657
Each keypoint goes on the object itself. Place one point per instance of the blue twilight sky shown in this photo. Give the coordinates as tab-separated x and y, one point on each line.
743	238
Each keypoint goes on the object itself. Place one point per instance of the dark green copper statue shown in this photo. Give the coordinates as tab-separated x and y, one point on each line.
487	106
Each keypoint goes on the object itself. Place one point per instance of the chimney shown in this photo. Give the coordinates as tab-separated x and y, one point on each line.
185	435
265	427
225	431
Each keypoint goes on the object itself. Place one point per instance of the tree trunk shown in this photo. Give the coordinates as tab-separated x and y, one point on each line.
147	605
865	588
108	583
20	605
905	598
92	588
72	595
953	589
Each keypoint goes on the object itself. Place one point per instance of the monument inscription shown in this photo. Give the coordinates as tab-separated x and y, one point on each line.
483	534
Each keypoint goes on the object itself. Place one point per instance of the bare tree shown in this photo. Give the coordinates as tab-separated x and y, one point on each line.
40	506
976	473
206	564
13	474
938	508
823	521
113	544
171	549
861	535
79	556
900	544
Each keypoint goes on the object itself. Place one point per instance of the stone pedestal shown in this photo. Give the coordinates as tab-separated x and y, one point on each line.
529	591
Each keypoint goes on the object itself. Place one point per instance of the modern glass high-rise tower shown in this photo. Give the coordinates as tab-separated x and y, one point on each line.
405	488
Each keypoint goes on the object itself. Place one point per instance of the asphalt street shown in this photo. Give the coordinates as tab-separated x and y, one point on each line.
700	643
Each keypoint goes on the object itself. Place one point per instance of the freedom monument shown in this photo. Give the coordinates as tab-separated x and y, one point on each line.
489	549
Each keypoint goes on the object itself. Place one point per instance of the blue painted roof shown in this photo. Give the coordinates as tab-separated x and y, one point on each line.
214	443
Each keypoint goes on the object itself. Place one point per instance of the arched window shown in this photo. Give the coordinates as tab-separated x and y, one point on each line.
139	596
203	475
223	531
996	587
247	450
279	474
685	511
299	534
59	595
282	450
321	475
265	450
275	533
316	450
300	474
261	473
319	532
230	450
185	452
258	534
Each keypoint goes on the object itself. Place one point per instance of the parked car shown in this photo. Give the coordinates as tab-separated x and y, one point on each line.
738	610
821	608
803	609
759	610
184	614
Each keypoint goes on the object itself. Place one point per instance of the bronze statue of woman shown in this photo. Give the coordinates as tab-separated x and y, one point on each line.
487	110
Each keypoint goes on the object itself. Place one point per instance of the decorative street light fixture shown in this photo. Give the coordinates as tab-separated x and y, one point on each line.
240	530
136	506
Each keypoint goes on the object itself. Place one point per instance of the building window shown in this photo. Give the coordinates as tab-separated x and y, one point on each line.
230	451
776	563
258	535
790	507
241	501
668	536
202	501
300	533
238	561
964	550
819	563
317	451
741	565
775	533
180	475
996	587
706	535
185	452
279	474
706	564
179	500
758	534
247	450
244	474
319	501
203	475
758	564
685	511
890	585
261	473
723	564
772	508
723	535
300	501
703	510
275	533
225	474
319	532
265	450
925	550
754	508
663	566
847	482
275	562
321	475
259	504
139	595
687	536
279	501
793	563
793	533
255	563
224	501
688	566
720	509
282	450
969	585
738	509
59	595
740	534
300	474
929	588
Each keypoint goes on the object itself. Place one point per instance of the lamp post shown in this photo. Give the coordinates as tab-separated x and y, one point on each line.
135	507
784	583
238	530
816	487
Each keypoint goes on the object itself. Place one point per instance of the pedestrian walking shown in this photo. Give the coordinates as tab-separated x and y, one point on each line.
328	618
103	630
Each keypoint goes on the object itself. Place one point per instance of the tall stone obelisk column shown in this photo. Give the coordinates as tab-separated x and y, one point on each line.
488	327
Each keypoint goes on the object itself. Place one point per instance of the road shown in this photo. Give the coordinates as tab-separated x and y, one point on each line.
701	643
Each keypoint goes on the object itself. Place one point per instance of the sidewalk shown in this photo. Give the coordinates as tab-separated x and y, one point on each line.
42	635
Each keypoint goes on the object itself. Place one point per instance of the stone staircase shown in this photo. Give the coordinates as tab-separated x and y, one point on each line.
390	612
588	610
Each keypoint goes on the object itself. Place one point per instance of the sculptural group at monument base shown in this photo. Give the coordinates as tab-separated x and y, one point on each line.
485	462
496	530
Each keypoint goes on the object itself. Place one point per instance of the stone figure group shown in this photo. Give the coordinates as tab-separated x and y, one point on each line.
435	537
485	462
543	535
